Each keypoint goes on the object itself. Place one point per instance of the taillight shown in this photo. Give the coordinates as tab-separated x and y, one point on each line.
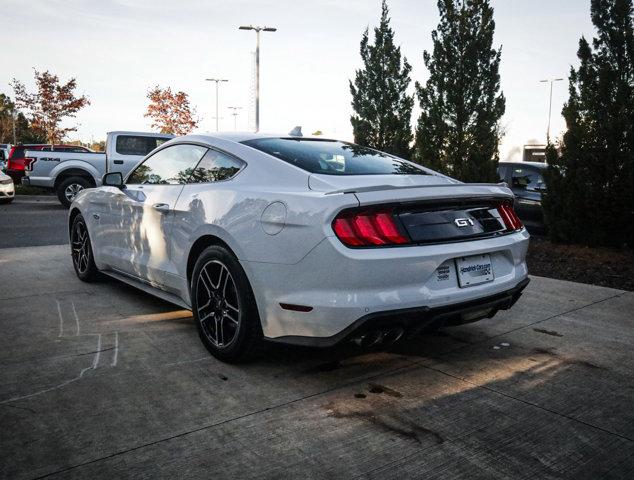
510	218
366	228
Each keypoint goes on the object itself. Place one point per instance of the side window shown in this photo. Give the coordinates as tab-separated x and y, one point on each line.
138	145
527	179
216	166
170	166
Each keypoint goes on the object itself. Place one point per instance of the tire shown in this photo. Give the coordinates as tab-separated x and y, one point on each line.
224	307
69	188
81	251
6	201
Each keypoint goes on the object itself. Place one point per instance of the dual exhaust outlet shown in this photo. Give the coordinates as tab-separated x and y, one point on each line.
373	338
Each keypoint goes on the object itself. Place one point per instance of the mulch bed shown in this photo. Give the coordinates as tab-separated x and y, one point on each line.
598	266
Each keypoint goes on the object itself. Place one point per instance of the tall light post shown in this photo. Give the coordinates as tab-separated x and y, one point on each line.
234	112
217	80
257	30
550	104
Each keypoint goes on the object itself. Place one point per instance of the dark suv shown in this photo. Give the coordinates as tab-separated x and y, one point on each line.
526	179
17	163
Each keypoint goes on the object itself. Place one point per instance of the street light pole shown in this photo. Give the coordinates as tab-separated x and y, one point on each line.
235	116
550	104
217	80
257	30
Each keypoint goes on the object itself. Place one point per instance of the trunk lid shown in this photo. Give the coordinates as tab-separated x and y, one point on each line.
431	209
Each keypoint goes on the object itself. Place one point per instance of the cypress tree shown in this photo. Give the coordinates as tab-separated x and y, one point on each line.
590	184
458	131
382	107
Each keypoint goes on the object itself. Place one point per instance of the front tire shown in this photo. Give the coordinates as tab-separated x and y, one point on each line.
224	307
81	251
68	189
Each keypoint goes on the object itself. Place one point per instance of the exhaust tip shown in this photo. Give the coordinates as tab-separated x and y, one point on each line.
393	335
369	339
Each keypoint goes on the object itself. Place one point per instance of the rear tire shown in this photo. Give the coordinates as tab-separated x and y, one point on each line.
224	307
69	188
81	251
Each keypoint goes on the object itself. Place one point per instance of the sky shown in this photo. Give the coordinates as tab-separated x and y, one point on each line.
118	49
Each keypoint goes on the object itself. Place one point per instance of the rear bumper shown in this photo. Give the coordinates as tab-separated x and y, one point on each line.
339	285
414	320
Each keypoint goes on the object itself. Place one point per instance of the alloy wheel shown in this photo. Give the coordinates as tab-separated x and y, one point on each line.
71	191
81	247
217	304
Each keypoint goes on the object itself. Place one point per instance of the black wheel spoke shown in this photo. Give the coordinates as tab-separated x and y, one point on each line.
218	310
80	247
228	316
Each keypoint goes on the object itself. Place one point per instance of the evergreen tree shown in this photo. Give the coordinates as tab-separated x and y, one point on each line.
458	131
590	185
383	109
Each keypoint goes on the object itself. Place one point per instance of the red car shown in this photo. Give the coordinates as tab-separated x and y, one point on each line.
18	163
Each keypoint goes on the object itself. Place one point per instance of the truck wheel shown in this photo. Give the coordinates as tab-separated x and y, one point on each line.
68	189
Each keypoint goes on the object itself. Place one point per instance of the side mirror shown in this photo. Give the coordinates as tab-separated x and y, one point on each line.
113	179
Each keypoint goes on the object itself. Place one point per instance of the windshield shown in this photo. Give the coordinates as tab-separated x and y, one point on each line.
332	157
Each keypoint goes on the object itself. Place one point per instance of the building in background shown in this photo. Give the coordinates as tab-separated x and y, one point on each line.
534	153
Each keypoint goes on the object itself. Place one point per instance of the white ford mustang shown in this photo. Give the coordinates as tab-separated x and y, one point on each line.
301	240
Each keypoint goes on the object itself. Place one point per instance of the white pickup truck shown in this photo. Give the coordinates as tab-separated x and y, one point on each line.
68	173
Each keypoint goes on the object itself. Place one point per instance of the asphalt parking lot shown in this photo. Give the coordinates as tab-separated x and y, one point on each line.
102	381
33	220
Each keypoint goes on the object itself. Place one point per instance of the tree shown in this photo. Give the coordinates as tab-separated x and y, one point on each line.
458	131
50	104
589	196
382	107
14	126
170	112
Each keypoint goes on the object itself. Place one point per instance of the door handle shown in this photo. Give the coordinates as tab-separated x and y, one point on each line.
118	162
161	207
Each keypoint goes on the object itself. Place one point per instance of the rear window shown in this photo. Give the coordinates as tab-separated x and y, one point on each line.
330	157
138	145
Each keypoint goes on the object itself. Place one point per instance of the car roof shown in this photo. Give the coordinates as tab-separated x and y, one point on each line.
239	137
143	134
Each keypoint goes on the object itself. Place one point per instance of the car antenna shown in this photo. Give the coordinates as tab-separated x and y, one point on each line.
296	132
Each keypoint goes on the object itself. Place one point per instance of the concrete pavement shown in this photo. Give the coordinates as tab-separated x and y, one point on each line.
102	381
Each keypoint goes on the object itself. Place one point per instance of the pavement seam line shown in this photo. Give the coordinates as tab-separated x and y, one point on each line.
526	402
412	365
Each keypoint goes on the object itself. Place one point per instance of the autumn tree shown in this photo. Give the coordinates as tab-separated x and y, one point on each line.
382	107
458	131
171	112
589	197
50	104
14	126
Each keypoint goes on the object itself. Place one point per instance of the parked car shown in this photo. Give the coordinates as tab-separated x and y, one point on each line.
67	173
5	148
301	240
18	163
526	180
7	192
